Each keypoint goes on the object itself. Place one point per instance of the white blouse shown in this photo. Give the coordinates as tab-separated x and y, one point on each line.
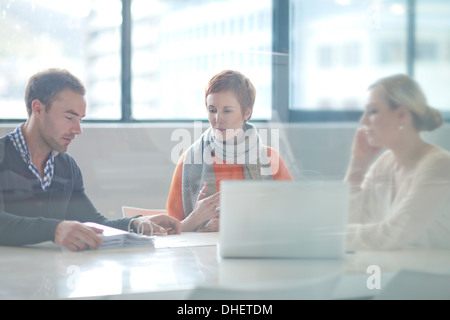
418	215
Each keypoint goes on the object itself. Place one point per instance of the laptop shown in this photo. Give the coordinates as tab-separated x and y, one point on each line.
283	219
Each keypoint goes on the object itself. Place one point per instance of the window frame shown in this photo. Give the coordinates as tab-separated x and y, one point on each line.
280	72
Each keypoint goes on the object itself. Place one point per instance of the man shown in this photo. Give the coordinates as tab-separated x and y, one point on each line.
42	195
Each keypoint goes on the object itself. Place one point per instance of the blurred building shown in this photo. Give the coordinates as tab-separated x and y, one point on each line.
337	48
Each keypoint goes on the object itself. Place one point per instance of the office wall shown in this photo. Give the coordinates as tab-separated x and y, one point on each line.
131	164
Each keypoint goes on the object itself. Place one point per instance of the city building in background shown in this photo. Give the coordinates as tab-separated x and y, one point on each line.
340	47
179	45
336	49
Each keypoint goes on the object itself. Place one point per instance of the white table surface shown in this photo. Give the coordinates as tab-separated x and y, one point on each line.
188	266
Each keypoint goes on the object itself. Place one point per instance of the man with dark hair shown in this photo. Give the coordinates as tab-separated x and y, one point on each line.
42	195
46	85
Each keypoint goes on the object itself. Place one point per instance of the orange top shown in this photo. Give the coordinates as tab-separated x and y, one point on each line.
222	171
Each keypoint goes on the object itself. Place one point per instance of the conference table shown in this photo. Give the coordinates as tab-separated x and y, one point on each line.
189	266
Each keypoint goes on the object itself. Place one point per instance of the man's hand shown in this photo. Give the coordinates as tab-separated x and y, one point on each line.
159	224
76	236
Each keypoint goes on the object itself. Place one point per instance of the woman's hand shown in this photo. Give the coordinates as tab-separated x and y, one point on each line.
362	154
211	226
205	209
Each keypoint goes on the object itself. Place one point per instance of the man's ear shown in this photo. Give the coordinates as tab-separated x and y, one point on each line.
37	108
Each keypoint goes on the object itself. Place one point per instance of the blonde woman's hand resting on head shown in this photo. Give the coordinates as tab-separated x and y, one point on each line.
204	210
362	151
362	155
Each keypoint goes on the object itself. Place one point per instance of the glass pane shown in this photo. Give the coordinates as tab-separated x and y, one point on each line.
179	45
432	65
73	35
339	47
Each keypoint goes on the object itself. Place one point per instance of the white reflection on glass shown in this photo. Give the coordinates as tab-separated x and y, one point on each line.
103	280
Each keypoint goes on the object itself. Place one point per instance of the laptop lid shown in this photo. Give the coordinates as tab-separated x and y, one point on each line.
283	219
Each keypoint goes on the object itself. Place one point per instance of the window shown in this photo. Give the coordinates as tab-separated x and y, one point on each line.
432	67
338	48
102	59
36	35
149	60
179	45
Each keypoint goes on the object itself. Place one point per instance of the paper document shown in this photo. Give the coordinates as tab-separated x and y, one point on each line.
115	238
187	239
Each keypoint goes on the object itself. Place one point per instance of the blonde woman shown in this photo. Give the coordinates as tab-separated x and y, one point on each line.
402	200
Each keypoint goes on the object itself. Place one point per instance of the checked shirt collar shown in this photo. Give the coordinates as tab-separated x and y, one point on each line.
19	143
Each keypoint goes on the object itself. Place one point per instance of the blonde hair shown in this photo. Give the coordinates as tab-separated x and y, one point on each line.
402	90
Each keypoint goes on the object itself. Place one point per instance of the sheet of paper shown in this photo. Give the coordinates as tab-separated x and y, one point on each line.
187	239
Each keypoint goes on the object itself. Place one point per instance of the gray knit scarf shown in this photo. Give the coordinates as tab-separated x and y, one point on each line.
248	151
